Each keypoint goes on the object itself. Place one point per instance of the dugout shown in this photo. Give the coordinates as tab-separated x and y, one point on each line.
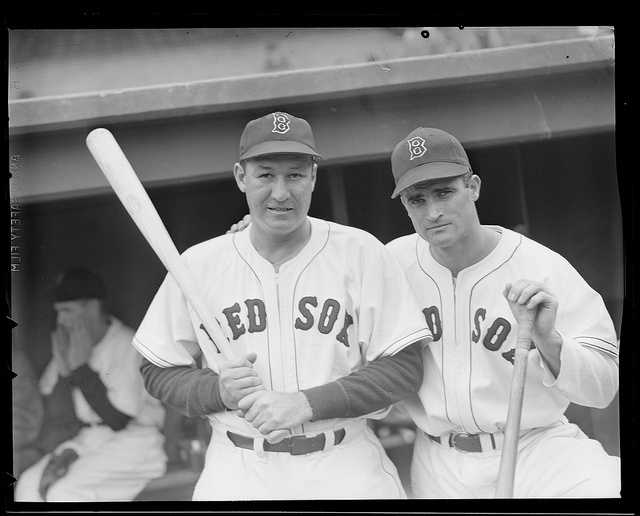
538	121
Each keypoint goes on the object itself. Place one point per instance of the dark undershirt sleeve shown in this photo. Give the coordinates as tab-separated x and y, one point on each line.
95	392
195	392
380	384
189	390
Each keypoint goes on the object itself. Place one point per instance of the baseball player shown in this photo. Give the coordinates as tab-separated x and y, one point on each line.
304	302
112	445
466	276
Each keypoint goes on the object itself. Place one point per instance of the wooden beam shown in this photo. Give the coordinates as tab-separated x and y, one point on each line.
305	86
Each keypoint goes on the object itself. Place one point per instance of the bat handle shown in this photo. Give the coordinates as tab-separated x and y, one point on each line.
506	474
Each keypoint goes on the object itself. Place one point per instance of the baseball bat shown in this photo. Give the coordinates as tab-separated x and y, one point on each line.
506	473
124	181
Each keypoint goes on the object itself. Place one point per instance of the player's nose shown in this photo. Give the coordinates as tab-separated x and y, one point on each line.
280	190
433	211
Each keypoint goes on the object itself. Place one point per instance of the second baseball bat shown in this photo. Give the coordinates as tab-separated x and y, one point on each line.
506	473
124	181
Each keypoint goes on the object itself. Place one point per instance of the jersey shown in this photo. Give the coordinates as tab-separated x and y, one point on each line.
340	303
469	363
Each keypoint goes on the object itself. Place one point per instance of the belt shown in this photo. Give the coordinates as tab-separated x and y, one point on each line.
295	445
468	443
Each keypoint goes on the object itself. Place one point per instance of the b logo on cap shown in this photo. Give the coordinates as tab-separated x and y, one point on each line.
416	147
280	123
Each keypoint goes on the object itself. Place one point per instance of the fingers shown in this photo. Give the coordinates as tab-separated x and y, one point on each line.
527	293
246	360
255	408
251	357
277	435
238	379
240	225
245	406
528	297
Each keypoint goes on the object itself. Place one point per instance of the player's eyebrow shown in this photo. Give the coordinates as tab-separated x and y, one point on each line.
413	195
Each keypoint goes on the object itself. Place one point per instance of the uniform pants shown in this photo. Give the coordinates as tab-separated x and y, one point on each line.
357	468
112	466
553	462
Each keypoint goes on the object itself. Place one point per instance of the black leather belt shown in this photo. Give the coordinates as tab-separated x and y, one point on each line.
295	445
464	442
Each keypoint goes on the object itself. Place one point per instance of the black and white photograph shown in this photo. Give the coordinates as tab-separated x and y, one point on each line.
318	266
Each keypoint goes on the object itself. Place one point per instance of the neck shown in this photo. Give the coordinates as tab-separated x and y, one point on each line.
100	328
468	251
279	248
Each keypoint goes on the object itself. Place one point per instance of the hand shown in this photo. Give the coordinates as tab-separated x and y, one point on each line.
241	225
270	411
537	297
55	469
238	379
60	350
530	295
80	344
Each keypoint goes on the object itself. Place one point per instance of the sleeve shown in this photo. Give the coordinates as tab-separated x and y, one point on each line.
189	390
589	356
166	335
381	383
389	317
95	392
587	376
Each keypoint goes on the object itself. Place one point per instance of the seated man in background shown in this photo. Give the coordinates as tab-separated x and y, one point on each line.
101	438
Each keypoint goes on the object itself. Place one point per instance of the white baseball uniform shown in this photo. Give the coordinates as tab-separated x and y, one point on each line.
338	304
112	465
469	366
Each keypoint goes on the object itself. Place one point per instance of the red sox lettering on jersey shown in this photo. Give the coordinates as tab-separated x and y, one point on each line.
256	317
337	305
493	335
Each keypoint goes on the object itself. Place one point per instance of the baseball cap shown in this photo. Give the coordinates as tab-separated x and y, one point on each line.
78	283
277	132
424	154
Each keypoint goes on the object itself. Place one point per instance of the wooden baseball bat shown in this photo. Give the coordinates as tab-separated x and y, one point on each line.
506	473
124	181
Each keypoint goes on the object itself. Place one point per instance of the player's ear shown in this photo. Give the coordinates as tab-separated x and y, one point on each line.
474	187
239	174
314	173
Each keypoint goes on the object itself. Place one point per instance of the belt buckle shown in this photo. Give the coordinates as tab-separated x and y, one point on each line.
452	440
295	445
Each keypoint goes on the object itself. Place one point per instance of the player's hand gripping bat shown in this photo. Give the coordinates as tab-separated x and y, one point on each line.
506	474
129	189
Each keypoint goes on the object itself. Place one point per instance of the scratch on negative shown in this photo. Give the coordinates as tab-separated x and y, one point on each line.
543	119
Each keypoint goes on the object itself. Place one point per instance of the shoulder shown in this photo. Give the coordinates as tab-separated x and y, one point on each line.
403	243
120	332
530	249
531	255
404	249
204	250
340	234
212	256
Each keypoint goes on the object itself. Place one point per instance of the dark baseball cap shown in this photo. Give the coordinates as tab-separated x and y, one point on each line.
425	154
277	133
79	283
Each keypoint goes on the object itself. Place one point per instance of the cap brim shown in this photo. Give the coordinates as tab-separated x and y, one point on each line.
427	172
279	147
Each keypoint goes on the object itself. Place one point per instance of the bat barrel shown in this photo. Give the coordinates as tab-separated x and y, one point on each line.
125	183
